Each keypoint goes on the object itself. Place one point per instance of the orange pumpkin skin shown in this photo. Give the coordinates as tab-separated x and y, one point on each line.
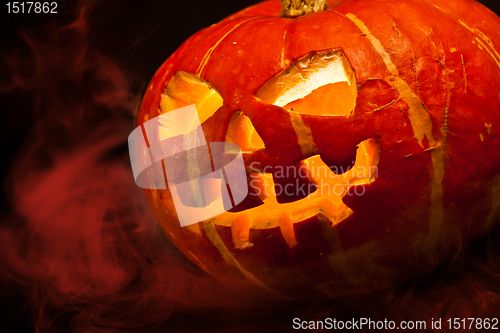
438	184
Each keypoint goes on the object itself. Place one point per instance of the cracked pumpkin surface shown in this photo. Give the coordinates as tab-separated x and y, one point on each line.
408	87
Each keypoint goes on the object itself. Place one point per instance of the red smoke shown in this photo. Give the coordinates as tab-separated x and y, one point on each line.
78	238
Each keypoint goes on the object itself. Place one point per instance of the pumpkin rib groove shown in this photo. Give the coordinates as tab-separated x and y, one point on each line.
207	56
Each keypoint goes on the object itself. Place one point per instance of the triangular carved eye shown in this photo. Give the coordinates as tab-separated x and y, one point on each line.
320	83
242	132
185	89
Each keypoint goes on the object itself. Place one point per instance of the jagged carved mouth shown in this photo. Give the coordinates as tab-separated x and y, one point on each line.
321	84
325	200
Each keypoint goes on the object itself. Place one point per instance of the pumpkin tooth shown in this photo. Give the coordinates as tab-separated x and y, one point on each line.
258	183
286	227
240	231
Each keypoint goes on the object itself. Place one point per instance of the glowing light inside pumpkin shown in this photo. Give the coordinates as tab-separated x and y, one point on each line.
185	89
326	78
331	99
242	132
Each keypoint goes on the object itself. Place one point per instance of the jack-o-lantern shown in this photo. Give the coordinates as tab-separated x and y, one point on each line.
369	132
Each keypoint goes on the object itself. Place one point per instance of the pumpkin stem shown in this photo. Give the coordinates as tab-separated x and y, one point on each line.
294	8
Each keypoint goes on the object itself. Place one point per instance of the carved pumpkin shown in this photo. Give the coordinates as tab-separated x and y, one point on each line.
369	133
